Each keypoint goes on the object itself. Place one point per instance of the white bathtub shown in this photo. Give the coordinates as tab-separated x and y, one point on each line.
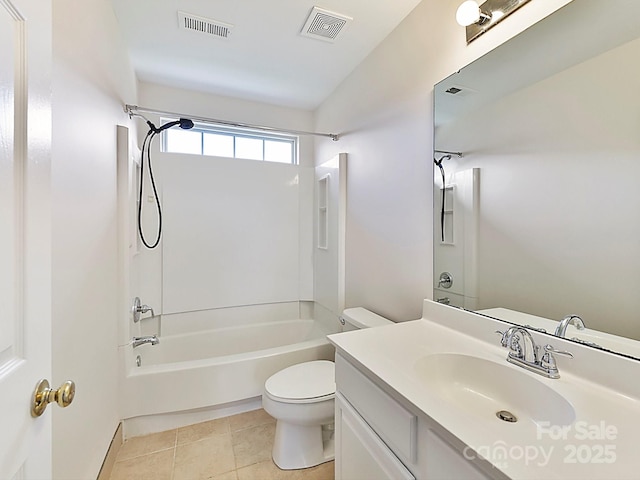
217	366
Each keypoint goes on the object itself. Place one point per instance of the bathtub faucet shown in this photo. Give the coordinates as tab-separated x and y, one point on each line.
152	339
138	309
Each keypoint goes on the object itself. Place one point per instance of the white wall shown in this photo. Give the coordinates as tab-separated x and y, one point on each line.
92	78
384	112
559	194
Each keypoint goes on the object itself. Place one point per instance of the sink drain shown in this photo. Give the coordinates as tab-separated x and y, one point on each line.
506	416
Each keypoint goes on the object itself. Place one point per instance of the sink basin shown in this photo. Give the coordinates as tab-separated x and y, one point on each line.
484	387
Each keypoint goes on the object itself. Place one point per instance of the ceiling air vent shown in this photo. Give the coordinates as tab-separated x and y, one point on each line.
187	21
324	25
460	91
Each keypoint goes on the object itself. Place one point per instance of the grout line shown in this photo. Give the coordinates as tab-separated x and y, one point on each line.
120	460
175	452
252	426
173	464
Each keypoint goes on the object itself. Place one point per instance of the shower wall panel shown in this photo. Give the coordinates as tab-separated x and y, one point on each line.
231	233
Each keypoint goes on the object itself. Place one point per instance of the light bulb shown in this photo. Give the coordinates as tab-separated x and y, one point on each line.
468	13
497	15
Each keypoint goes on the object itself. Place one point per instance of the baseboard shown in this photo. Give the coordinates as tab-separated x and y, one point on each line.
112	454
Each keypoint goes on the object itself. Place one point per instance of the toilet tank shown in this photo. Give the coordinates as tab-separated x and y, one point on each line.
358	317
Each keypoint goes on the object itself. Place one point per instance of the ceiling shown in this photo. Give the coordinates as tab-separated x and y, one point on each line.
264	58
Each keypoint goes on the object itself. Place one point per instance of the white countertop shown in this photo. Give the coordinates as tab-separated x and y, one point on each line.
609	419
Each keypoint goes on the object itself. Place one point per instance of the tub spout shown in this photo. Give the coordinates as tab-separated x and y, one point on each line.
152	339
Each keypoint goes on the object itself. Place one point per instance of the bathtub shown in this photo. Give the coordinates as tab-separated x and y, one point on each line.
194	368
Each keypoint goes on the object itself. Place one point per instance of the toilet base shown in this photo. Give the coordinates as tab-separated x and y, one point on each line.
299	446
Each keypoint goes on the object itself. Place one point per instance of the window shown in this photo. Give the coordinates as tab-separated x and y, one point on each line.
215	141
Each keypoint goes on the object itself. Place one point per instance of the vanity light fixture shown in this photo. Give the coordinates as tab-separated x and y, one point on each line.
479	18
469	12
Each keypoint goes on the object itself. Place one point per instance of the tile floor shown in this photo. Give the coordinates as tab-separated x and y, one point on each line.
231	448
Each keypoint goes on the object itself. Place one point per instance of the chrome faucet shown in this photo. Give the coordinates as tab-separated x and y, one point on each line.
574	320
524	352
152	339
137	309
520	344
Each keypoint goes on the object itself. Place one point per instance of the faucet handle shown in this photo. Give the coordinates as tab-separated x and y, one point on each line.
504	341
137	309
548	360
551	349
509	340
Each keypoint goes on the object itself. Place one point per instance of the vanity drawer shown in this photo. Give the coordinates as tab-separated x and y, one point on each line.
395	425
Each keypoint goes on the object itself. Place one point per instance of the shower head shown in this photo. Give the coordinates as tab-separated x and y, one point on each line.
184	123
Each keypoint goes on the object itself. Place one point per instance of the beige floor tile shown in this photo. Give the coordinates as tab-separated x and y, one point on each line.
264	471
325	471
253	445
226	476
267	470
155	466
200	431
204	459
250	419
137	446
211	450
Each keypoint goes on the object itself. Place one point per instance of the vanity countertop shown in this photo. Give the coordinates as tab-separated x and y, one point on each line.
599	443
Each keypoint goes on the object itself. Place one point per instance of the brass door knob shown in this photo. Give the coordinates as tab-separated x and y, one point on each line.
44	395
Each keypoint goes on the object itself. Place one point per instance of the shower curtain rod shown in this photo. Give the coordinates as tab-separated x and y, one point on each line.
135	110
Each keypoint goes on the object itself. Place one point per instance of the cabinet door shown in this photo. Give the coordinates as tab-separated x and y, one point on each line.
360	454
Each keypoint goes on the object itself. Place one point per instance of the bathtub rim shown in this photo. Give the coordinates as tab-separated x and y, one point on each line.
142	370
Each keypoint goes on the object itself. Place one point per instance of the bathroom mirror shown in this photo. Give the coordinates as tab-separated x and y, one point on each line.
542	210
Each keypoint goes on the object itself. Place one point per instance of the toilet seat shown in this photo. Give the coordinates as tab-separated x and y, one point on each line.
307	382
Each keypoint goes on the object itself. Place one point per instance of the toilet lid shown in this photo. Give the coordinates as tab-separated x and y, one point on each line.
305	380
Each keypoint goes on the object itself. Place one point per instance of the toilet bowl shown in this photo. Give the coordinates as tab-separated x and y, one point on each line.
302	400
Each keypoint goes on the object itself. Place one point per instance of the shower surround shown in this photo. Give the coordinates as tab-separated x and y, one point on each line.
233	287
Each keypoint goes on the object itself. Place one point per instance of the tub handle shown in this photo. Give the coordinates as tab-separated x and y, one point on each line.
138	309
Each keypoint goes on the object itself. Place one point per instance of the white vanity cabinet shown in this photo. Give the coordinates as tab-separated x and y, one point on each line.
362	454
380	437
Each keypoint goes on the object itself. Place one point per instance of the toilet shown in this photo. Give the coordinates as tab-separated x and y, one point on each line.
301	399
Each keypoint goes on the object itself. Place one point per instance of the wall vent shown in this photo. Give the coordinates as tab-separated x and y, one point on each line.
187	21
324	25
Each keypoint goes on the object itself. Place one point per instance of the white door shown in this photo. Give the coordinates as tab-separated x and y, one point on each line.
25	238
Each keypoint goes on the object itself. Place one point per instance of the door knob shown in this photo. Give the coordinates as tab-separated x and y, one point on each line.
44	395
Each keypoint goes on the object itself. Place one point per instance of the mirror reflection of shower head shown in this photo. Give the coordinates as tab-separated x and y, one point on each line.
442	159
438	163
